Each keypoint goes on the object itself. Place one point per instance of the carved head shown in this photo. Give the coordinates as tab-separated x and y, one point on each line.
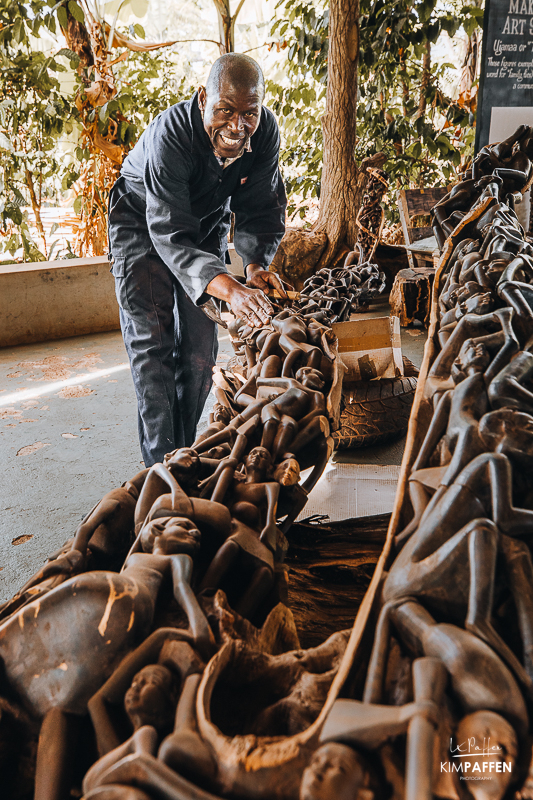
310	378
473	357
498	745
221	413
258	459
169	535
151	698
509	432
335	771
183	463
287	473
481	303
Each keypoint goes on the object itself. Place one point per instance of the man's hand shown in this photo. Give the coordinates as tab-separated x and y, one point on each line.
259	278
249	304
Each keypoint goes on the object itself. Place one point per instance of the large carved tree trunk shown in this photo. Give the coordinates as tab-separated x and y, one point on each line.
335	232
338	194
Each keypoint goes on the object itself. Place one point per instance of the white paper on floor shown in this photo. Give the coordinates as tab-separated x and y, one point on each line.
345	491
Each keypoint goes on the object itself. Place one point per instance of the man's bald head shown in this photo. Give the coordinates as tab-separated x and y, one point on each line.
230	103
236	69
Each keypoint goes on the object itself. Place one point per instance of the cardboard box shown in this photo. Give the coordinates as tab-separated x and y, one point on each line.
370	347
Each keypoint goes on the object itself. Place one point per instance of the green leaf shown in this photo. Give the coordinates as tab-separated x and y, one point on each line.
139	31
77	204
62	16
18	30
76	11
70	54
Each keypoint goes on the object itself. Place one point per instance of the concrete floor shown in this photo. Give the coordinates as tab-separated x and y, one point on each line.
68	434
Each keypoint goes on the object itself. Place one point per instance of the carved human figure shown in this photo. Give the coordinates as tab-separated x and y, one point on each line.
450	558
467	302
105	533
478	679
254	500
157	501
494	331
450	210
145	684
509	160
87	625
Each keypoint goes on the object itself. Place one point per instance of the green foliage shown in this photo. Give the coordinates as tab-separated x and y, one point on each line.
300	103
424	144
43	151
147	85
39	122
33	115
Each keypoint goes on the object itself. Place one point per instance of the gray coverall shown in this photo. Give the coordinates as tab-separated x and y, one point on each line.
169	215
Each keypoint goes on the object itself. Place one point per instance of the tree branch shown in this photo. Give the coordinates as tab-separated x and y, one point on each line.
237	11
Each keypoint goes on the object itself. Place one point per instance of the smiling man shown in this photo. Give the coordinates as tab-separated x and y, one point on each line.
169	216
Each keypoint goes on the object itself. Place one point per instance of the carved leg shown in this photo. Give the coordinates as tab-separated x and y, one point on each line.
482	549
55	754
321	459
259	587
271	367
221	563
199	627
269	433
184	750
287	430
291	361
314	358
429	682
116	792
420	498
378	659
317	426
520	572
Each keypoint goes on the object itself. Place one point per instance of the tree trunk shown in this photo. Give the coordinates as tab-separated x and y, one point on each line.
338	193
36	207
303	252
226	25
469	68
424	84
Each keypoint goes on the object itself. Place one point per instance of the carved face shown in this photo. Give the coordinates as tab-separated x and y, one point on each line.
169	535
258	458
492	733
231	115
149	697
335	771
473	356
288	472
478	304
509	432
221	413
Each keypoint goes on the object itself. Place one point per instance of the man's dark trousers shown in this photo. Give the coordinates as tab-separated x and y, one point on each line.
171	344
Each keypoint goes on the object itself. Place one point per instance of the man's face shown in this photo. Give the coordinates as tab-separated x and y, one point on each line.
231	115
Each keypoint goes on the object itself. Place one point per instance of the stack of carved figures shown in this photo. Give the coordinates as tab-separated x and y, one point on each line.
170	596
332	295
154	656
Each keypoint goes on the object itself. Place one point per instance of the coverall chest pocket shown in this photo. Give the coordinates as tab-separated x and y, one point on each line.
118	269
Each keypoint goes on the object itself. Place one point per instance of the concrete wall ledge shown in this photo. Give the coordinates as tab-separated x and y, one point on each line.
46	300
